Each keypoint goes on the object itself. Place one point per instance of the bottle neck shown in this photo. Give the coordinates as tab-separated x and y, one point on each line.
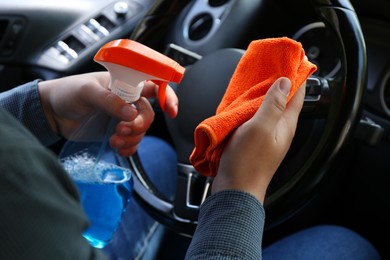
127	92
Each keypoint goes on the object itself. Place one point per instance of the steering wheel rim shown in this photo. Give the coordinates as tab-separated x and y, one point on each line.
344	93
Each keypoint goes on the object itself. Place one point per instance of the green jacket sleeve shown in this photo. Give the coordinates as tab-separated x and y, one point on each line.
41	215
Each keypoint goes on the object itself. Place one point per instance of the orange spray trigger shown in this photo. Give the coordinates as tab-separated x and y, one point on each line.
162	95
131	63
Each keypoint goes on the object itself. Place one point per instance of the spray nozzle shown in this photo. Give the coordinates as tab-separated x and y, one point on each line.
130	62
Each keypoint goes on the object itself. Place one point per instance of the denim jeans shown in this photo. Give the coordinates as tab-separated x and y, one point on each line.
322	242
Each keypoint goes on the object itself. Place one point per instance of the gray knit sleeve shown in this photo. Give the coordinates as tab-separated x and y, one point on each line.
24	103
230	226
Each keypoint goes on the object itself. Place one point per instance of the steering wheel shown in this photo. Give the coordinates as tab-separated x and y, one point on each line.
331	110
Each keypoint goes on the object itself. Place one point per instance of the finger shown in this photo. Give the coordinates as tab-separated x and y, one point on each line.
150	90
111	104
139	125
128	151
274	103
295	105
126	146
129	134
99	96
125	143
123	148
171	103
143	120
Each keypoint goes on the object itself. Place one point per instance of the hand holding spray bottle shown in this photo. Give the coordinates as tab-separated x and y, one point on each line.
102	176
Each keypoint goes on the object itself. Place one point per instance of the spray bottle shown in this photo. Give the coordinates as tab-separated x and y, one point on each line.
102	176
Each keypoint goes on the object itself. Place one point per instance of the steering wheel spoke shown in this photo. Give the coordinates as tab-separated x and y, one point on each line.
192	190
317	97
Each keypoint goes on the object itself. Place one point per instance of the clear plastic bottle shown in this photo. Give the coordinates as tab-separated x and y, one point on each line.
101	175
104	181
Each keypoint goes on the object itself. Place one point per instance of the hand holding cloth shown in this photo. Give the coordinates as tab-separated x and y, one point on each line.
262	64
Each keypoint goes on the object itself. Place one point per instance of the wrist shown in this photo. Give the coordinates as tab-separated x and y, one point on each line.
256	188
44	93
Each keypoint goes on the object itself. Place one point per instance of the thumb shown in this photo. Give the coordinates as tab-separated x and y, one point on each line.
274	103
112	104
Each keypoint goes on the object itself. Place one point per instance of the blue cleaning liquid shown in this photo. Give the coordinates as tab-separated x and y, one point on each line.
105	191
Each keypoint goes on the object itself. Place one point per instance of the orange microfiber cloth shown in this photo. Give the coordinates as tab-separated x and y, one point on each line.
263	62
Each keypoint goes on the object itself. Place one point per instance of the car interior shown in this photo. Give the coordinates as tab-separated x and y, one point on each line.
336	171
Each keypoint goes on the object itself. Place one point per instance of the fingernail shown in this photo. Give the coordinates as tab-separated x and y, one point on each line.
174	111
285	86
127	111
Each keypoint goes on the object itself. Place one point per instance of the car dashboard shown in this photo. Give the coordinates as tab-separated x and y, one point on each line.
50	39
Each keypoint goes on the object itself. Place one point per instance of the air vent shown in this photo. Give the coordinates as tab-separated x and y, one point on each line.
200	26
